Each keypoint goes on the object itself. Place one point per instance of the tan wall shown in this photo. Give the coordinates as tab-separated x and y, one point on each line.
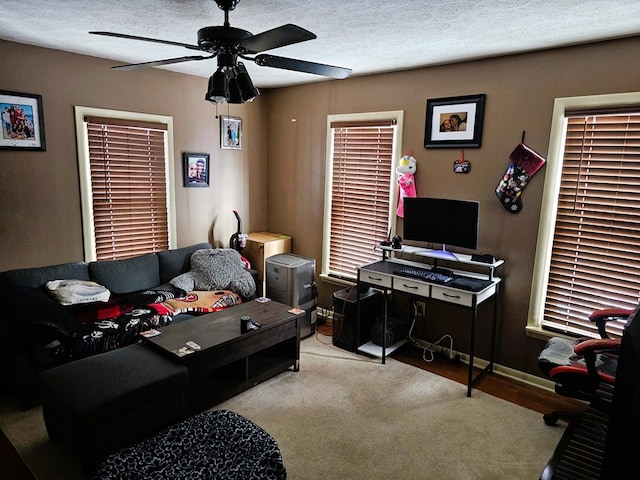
520	93
40	222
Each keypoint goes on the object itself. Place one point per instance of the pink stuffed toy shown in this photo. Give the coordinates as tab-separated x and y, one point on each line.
406	168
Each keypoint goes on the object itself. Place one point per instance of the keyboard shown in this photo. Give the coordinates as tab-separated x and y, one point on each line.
423	274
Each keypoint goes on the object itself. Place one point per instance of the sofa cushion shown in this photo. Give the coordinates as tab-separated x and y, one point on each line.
36	277
174	262
127	275
104	402
111	382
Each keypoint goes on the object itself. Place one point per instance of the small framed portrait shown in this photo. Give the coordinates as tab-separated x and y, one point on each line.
230	132
454	122
22	121
196	169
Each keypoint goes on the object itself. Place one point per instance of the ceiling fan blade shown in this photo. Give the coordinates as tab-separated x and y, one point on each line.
277	37
147	39
302	66
157	63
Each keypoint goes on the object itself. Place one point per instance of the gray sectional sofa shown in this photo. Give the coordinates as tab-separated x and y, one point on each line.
38	332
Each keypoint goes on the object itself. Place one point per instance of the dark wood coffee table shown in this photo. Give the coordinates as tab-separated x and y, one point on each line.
229	361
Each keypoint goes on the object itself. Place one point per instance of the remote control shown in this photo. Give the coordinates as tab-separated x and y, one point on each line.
193	345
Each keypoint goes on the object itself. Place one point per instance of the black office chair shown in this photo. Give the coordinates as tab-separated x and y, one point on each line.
579	366
622	451
603	443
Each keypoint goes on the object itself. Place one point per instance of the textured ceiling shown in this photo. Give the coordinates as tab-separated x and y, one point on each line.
368	36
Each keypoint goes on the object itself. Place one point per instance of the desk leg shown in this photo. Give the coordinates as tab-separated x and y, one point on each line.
494	329
472	347
384	329
356	341
489	368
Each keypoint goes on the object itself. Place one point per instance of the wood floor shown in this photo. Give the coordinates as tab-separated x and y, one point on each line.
515	391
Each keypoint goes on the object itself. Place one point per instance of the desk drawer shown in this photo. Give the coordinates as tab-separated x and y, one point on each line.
375	278
415	287
456	296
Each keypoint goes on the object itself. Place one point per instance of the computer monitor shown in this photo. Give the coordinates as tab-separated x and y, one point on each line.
442	221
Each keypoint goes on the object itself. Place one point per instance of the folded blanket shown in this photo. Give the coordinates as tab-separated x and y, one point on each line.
72	292
198	301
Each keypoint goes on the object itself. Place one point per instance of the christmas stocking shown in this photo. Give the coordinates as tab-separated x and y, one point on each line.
524	164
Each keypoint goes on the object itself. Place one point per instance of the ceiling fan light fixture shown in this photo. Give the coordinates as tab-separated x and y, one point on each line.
249	91
218	89
235	94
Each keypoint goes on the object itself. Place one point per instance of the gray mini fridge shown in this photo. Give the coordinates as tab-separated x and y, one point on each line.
290	279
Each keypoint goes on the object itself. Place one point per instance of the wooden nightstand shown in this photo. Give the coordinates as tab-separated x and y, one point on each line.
262	245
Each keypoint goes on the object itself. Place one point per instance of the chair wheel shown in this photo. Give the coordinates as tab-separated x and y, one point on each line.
550	419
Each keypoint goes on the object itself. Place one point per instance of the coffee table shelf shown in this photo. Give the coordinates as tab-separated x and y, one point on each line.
220	384
229	361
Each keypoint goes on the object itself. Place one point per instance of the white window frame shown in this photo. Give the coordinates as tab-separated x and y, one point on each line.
550	195
398	117
85	171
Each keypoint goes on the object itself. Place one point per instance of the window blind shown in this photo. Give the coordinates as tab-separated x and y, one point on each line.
596	247
361	193
129	187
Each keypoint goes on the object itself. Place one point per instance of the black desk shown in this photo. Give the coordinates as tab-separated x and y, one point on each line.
380	275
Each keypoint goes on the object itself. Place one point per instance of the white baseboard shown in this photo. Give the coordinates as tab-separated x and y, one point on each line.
498	369
511	373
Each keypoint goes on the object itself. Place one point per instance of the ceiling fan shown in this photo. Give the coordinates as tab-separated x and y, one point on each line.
231	82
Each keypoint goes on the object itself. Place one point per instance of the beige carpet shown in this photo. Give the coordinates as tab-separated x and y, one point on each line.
347	416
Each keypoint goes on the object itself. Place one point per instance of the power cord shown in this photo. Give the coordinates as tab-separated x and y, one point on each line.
326	330
427	347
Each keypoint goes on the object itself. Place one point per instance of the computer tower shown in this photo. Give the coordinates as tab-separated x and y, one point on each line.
345	316
290	279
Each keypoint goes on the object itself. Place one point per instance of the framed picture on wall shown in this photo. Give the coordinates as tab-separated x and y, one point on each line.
230	132
454	122
22	121
196	169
